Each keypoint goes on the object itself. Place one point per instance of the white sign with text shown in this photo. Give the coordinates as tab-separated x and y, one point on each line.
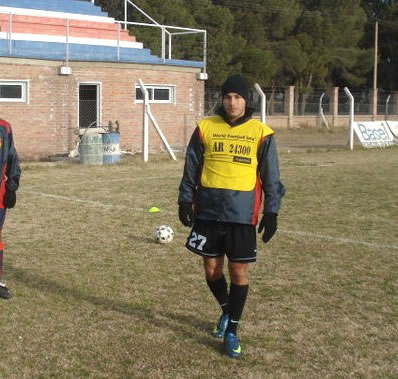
393	125
374	133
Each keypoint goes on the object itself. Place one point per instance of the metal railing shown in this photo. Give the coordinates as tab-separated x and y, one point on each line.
166	30
66	33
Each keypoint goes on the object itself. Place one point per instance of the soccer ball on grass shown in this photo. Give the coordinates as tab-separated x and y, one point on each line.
164	234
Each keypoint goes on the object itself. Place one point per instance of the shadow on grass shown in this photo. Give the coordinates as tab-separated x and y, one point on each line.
183	325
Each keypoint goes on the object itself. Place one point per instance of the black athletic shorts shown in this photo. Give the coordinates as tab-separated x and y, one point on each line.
3	212
213	239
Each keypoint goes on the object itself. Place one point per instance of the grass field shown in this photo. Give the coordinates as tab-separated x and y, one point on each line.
96	297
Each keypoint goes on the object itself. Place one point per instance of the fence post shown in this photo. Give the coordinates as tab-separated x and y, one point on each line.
289	101
322	117
334	105
351	127
263	103
394	103
373	103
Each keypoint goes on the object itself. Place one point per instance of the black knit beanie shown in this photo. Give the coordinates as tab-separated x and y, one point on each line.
237	84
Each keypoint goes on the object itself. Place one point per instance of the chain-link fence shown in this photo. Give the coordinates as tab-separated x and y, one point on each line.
308	104
87	113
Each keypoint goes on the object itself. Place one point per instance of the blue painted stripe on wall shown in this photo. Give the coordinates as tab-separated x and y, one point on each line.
91	53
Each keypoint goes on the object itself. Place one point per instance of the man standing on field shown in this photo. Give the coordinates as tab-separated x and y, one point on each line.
9	182
230	160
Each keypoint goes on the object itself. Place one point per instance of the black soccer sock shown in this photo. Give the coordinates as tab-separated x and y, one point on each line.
237	300
219	289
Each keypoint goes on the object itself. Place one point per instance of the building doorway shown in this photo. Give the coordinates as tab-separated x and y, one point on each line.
89	105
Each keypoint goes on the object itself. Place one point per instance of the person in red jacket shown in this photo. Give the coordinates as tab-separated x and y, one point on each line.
9	183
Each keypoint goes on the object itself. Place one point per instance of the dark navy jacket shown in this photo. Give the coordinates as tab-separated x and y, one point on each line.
9	163
218	204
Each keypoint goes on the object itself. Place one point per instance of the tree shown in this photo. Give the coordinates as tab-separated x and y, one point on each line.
115	8
386	14
280	18
222	43
258	23
351	63
305	43
256	65
322	52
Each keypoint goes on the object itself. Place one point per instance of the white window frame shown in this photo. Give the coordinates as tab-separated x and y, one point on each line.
152	88
24	84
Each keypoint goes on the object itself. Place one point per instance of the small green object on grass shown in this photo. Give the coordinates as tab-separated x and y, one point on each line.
153	210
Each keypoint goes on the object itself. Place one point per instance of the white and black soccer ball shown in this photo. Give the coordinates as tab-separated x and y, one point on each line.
164	234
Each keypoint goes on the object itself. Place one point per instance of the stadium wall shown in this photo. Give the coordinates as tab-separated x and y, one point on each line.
47	124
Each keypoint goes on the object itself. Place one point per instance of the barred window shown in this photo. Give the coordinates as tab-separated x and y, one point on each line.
13	91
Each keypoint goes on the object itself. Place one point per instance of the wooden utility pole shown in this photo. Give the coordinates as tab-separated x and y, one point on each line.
374	97
375	58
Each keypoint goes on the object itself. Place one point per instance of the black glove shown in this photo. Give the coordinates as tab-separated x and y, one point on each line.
185	213
269	224
10	198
